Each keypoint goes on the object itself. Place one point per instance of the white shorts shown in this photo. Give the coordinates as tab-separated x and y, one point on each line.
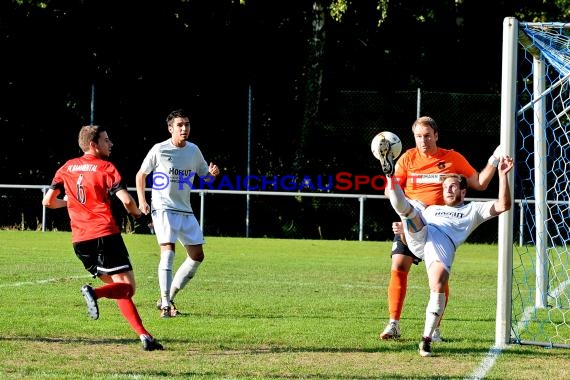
171	226
438	247
416	241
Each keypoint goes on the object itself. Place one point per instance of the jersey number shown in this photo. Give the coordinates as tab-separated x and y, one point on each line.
80	190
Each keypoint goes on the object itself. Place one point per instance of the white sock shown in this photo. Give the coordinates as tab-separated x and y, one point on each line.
185	273
398	200
434	311
410	224
165	275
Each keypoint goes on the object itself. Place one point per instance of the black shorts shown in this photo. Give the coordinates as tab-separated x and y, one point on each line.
104	255
399	248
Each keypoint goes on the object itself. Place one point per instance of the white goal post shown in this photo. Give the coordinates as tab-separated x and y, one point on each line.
533	287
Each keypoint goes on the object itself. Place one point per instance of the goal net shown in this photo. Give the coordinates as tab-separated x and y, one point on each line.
533	292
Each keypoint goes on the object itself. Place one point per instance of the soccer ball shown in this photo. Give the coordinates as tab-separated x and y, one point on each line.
393	139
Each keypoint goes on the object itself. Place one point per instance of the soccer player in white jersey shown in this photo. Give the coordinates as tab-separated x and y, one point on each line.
434	233
175	163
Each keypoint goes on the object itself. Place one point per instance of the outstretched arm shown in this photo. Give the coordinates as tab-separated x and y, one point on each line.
503	203
480	181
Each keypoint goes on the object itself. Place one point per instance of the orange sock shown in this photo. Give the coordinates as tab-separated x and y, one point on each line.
122	293
397	293
131	314
114	290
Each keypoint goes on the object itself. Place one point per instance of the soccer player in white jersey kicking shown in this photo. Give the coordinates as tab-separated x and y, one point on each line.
434	233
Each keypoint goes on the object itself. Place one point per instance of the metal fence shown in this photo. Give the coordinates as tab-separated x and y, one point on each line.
468	123
29	214
363	225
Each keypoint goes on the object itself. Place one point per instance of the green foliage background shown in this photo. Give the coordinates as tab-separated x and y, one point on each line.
309	83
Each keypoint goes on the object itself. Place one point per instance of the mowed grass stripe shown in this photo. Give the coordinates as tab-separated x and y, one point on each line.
257	309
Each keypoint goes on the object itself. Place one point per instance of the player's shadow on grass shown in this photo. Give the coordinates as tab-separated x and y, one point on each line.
70	340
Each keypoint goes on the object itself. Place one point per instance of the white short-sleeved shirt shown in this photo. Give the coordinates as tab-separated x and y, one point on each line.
174	175
446	229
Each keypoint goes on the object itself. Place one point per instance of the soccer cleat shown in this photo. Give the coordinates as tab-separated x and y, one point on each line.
436	336
91	301
173	310
150	344
386	157
425	347
165	312
392	331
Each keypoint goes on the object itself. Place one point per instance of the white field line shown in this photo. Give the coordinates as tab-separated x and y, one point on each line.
494	352
39	282
486	364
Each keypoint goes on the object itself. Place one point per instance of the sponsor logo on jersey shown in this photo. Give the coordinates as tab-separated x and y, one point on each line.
425	178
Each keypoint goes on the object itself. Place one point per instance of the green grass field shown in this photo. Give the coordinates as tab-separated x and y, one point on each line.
257	309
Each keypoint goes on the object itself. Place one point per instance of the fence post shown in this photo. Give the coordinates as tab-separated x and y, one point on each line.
361	218
44	189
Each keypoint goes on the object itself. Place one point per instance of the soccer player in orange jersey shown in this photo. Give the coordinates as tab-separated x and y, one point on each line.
88	183
419	172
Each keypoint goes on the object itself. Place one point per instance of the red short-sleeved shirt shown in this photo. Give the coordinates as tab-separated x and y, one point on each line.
420	176
89	182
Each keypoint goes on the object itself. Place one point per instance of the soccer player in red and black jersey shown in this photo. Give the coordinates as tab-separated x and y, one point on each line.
87	184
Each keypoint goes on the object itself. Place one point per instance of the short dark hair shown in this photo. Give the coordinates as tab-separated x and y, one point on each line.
460	177
174	114
89	133
428	121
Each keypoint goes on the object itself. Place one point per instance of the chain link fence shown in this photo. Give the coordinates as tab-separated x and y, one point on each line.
469	123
